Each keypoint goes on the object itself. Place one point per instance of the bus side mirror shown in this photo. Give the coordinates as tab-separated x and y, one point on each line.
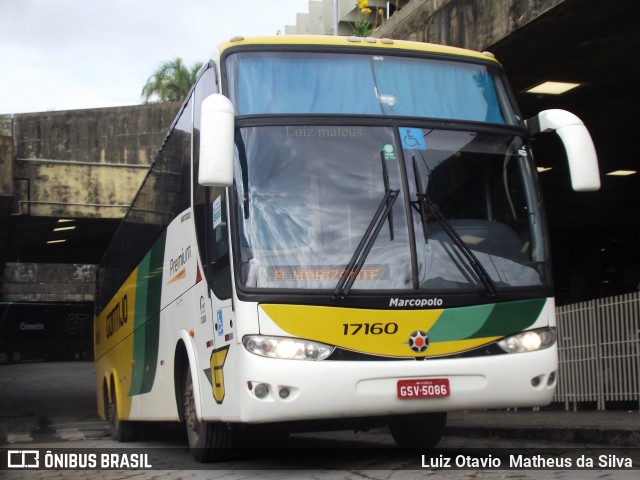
581	153
216	142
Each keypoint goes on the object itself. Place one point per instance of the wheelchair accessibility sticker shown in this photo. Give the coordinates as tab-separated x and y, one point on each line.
412	139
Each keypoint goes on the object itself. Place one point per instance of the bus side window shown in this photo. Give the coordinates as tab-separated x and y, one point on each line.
209	205
212	235
219	264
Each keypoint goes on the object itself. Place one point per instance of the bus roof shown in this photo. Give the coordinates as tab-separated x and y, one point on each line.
336	41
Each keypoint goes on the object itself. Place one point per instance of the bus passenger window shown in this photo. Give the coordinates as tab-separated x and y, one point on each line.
212	235
218	242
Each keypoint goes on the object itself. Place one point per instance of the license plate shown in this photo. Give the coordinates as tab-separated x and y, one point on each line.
423	388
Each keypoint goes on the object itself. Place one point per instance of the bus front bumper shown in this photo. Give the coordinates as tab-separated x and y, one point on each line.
272	390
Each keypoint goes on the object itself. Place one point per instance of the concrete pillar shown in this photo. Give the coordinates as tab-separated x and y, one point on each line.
6	164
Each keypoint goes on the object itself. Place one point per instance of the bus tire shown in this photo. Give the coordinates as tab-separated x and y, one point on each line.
208	441
420	431
121	430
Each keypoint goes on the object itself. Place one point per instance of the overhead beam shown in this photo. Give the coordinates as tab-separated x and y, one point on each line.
81	163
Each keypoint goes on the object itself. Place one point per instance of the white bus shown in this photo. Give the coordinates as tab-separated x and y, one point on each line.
336	232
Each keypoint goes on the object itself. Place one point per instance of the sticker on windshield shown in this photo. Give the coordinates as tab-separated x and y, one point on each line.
217	212
389	152
412	139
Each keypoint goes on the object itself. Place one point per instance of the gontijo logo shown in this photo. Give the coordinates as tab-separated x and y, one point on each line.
117	316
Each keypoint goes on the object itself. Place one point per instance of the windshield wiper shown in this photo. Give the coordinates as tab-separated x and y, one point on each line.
364	247
427	204
242	157
387	187
417	205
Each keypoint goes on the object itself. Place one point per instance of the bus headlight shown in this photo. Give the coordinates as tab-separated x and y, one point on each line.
286	348
529	341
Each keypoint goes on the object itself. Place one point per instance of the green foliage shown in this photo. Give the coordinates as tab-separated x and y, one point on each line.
170	82
363	26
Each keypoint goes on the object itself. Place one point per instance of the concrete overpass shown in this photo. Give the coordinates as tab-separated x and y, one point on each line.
68	178
86	165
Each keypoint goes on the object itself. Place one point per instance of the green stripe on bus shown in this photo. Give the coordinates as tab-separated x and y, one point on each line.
481	321
510	317
147	319
459	323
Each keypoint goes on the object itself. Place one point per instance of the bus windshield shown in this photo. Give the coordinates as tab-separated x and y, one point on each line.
306	196
360	84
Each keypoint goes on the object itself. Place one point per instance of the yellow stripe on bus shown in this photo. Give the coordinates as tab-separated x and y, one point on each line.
375	332
328	41
114	341
378	332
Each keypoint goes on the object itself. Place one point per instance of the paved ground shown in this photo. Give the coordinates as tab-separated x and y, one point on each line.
52	406
613	428
30	403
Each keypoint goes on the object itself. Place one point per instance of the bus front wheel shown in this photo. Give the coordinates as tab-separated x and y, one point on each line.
420	431
208	441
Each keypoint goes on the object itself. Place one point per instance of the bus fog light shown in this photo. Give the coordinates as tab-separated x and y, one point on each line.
284	393
552	378
529	341
261	390
286	348
535	381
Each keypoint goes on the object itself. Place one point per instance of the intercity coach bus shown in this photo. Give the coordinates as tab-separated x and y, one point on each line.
336	232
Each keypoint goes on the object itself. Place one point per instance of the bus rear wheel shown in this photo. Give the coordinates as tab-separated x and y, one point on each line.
208	441
420	431
121	431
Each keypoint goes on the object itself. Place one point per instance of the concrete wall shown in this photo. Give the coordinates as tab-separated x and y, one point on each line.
71	164
6	164
474	24
40	282
83	163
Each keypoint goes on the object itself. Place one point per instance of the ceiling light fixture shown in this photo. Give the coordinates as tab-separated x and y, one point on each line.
543	169
553	88
622	173
62	229
56	241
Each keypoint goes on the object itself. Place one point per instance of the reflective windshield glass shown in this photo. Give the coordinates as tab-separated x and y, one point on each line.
474	197
306	196
310	83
